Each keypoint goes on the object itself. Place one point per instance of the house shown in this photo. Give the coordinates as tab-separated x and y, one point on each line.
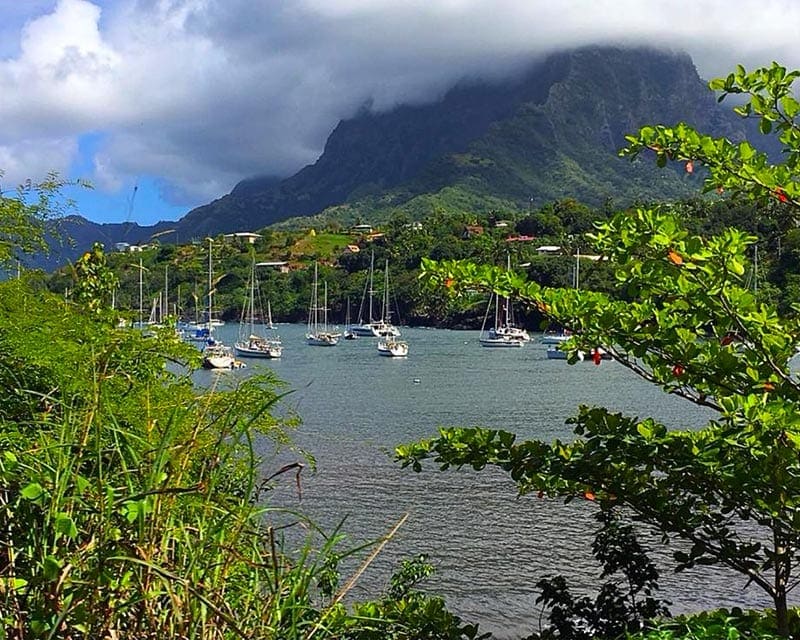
242	236
548	250
361	228
520	238
352	248
280	265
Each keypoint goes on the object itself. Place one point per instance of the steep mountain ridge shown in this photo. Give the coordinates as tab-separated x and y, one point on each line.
552	133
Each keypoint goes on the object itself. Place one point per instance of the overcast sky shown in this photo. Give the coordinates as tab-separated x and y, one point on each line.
184	98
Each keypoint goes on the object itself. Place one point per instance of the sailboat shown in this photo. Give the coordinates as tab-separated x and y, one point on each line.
503	332
553	352
392	347
349	334
364	327
215	354
506	327
318	334
381	327
252	344
491	337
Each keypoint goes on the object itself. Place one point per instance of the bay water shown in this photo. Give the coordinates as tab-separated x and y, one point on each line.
488	545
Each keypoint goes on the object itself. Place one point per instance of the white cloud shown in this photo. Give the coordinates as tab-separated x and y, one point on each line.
34	158
202	93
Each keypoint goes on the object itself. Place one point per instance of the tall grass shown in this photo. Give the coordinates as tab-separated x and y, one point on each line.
131	504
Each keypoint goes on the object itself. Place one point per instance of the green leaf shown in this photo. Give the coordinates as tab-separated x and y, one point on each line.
737	267
65	525
33	491
51	567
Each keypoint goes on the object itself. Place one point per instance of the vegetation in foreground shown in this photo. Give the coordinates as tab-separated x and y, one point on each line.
689	323
132	503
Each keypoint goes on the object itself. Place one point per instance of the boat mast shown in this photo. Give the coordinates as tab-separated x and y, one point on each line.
371	291
313	311
141	294
252	293
165	301
208	320
385	311
325	307
506	299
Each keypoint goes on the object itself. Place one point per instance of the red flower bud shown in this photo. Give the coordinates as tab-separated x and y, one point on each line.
677	371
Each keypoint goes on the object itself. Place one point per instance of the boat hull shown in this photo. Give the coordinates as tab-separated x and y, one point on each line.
248	350
393	349
501	343
322	340
555	338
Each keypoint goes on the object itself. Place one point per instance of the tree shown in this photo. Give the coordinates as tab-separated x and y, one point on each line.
27	216
686	321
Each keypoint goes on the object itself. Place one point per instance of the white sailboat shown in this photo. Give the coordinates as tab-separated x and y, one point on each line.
383	327
506	327
363	326
215	354
251	342
554	339
392	348
380	327
349	334
491	337
503	332
318	334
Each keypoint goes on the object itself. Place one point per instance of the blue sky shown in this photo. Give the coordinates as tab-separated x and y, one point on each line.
181	99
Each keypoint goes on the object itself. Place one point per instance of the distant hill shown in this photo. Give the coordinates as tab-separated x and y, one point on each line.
554	132
82	233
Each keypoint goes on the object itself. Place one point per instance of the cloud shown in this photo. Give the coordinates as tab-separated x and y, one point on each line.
202	93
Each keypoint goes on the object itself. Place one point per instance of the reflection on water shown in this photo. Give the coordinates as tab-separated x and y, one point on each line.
489	546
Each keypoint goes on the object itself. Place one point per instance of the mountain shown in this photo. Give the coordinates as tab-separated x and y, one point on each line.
552	132
82	234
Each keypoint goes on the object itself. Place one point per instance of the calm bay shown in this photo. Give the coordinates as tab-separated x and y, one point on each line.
489	546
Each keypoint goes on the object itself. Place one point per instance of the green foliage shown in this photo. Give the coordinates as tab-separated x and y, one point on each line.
616	609
405	613
27	216
132	503
687	321
738	168
731	624
95	283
